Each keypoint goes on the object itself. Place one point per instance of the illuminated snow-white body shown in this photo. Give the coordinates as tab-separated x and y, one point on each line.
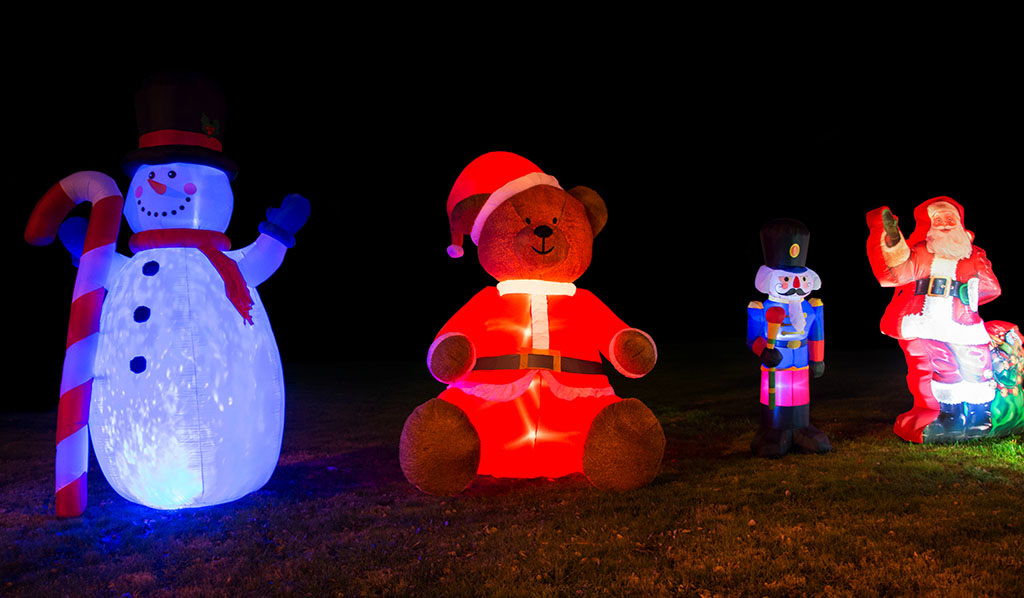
188	399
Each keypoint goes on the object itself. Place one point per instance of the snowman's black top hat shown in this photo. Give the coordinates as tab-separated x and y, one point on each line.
784	243
181	119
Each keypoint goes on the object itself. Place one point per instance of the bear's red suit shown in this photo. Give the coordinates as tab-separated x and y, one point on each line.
522	360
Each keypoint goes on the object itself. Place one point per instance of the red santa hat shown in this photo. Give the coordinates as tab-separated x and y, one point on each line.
923	218
499	175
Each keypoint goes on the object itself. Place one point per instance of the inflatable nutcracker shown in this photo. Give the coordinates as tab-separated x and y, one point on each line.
787	332
940	280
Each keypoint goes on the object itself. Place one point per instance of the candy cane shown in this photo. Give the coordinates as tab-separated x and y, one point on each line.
72	462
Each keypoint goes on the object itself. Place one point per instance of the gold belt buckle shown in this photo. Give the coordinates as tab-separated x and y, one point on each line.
794	344
524	359
945	284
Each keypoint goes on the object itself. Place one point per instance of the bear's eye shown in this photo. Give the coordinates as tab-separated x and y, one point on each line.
528	221
554	221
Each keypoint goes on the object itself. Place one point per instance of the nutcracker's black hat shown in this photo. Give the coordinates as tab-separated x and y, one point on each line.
784	243
181	119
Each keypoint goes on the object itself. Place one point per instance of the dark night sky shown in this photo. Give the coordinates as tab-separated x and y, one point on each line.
690	153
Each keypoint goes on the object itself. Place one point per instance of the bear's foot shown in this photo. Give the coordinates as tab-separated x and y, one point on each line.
624	446
771	443
440	449
811	440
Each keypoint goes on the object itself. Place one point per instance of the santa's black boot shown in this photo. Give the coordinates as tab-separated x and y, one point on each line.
948	426
775	437
979	421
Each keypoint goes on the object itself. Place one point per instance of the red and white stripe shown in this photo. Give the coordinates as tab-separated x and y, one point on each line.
72	462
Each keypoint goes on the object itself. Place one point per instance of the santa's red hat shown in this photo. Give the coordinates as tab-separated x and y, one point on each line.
499	175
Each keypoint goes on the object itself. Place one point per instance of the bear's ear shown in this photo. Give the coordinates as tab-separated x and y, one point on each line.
597	212
464	213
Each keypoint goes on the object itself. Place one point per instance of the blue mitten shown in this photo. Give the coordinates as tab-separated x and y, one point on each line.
72	235
282	223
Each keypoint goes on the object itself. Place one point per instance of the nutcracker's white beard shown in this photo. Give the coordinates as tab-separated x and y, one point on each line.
954	244
795	308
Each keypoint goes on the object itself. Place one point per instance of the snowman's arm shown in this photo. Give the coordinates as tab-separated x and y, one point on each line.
258	261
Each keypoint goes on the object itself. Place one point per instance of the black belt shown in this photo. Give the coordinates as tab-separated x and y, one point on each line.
938	286
550	360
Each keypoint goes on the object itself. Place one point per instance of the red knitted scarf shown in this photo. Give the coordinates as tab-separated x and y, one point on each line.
212	244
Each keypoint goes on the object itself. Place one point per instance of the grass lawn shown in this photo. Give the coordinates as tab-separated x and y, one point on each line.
876	517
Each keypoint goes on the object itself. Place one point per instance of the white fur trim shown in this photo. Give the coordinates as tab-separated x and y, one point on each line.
897	254
975	393
498	393
455	251
568	393
615	362
539	322
535	287
508	190
501	393
944	206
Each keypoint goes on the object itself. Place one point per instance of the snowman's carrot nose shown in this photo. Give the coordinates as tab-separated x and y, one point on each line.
158	187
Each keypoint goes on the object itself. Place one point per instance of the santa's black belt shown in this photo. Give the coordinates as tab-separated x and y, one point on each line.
938	286
550	360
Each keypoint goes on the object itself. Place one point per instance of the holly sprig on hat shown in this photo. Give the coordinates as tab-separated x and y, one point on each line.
211	128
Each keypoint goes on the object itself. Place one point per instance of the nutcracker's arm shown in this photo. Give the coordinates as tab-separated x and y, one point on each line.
816	339
756	340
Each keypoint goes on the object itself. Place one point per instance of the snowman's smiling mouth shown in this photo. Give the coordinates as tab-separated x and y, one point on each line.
158	212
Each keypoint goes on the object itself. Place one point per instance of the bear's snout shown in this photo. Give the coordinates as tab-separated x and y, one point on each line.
543	231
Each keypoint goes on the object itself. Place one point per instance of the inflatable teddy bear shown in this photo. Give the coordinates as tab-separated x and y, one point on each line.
527	395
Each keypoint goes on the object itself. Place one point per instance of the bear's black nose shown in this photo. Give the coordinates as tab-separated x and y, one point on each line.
543	231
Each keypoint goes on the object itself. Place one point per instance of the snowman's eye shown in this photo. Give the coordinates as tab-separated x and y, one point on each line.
152	174
171	174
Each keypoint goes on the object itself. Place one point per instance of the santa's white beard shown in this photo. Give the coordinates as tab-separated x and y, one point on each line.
954	244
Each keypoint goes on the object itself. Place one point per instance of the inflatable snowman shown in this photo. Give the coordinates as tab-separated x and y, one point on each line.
172	345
